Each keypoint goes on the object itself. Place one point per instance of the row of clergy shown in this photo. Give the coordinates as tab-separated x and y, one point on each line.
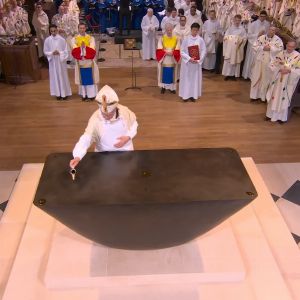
14	19
275	72
67	20
279	84
287	12
213	35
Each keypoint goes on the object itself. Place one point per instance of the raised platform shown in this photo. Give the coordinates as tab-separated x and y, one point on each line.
270	257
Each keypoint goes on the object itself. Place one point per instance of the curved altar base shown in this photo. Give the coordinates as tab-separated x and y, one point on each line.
270	257
77	262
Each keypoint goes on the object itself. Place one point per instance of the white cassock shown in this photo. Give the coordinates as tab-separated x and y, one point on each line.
282	87
9	22
233	50
41	26
105	133
211	34
163	24
58	74
194	19
168	20
190	85
260	74
182	32
179	3
2	30
253	31
296	27
149	26
22	25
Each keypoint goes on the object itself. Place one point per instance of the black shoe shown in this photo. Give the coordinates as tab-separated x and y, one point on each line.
163	90
173	92
227	78
58	98
233	78
84	98
253	100
68	62
185	100
281	122
267	119
177	80
193	99
64	98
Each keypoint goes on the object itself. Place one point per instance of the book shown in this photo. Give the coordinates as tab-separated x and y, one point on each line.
194	52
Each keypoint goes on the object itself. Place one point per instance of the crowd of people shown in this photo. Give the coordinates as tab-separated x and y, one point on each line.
250	48
190	41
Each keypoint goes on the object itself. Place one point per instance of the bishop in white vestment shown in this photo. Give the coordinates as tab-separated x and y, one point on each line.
111	127
190	85
149	27
285	76
56	50
265	50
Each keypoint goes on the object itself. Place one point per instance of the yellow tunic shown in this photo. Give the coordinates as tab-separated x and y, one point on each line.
86	39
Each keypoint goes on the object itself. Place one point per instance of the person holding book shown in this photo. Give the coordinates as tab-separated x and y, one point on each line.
168	56
193	51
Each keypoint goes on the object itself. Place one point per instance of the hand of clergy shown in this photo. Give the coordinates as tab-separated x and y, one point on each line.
122	141
83	45
55	52
193	61
169	53
267	48
285	70
74	162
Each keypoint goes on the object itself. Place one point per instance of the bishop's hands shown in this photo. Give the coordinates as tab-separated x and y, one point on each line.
122	140
74	162
267	48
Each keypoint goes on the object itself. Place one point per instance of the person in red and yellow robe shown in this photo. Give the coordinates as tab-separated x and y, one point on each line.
86	69
168	57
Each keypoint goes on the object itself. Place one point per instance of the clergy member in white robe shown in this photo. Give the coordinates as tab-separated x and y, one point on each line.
233	49
285	76
193	17
56	51
255	30
9	20
86	68
212	34
112	127
193	51
40	22
182	30
265	50
165	19
149	27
